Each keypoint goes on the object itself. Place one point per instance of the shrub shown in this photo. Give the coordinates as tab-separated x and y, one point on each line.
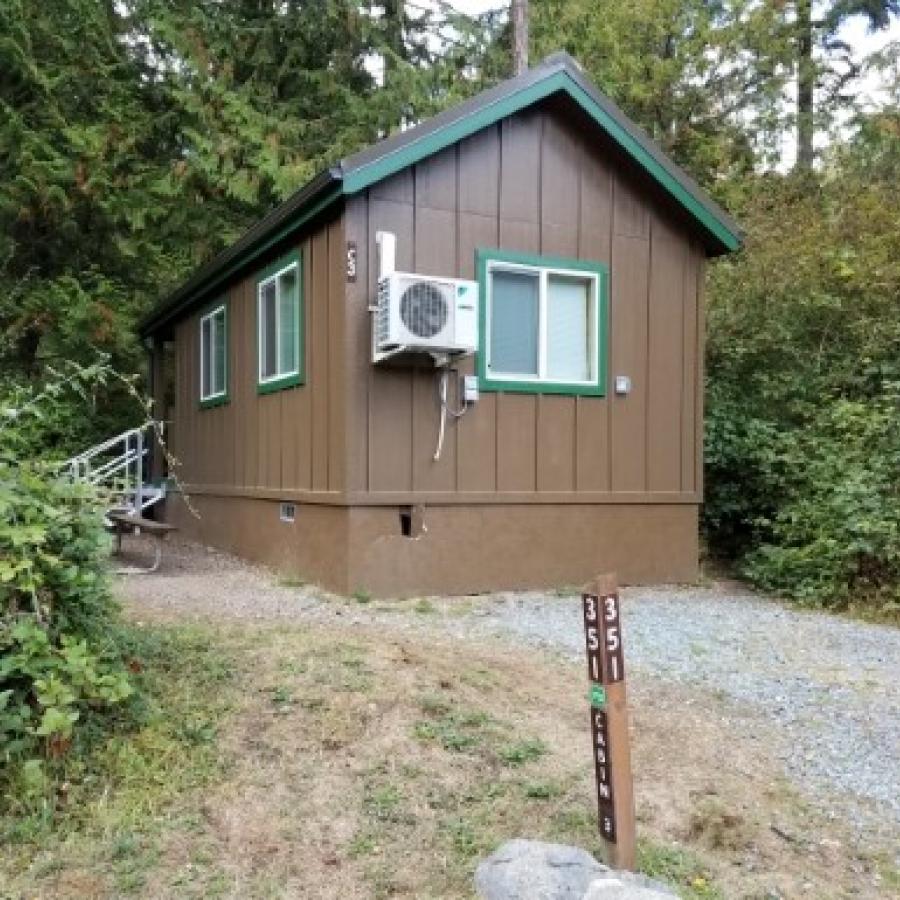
835	537
802	398
59	663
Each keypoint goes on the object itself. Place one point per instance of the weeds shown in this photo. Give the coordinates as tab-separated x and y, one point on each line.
522	752
679	867
118	780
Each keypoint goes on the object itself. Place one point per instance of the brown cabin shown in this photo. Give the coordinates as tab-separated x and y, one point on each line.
583	449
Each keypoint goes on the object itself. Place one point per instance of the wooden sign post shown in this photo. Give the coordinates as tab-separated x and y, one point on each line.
609	720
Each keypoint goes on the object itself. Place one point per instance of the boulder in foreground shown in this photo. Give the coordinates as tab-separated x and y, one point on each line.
534	870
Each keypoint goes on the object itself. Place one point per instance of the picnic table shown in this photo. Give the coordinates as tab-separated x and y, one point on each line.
124	522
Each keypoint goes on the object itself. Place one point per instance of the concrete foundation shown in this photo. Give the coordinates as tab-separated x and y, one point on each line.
452	549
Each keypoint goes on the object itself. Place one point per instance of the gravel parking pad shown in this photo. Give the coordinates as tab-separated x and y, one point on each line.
830	685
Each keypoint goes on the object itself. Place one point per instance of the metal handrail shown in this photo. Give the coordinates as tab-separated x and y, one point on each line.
111	442
124	470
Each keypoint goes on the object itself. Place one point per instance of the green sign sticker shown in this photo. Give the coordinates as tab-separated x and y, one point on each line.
598	696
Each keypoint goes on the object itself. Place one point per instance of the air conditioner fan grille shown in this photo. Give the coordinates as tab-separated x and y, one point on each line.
423	309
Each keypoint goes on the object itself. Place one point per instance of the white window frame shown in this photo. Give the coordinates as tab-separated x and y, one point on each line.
280	376
211	316
544	273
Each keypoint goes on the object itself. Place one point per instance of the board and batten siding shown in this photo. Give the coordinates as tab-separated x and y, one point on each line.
533	183
285	444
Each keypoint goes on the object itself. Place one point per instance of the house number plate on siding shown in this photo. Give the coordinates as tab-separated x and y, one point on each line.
351	261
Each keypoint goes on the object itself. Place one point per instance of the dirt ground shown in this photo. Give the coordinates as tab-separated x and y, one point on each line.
373	751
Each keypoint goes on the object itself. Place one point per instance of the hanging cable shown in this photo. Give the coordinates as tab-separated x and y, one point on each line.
458	413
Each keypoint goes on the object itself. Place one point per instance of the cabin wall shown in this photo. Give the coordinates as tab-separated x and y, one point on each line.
586	484
289	444
533	183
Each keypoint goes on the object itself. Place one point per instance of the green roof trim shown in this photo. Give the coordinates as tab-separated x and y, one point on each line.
558	74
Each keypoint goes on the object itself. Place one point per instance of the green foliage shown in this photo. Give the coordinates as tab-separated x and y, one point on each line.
58	660
691	73
802	443
522	752
835	536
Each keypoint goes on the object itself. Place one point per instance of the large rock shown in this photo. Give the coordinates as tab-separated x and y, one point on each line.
626	886
533	870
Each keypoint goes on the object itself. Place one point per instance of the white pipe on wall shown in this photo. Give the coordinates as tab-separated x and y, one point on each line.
386	242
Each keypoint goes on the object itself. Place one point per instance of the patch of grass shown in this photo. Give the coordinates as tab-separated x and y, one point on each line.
282	698
292	581
363	844
888	872
541	790
131	869
465	839
479	677
383	802
424	607
522	752
434	704
714	826
456	730
678	867
574	824
362	596
121	779
293	667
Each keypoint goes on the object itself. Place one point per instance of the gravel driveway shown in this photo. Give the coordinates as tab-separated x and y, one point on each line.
831	686
824	691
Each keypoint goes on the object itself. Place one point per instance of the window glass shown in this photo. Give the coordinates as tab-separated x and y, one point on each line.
205	355
287	338
515	313
568	331
268	327
279	324
213	354
219	355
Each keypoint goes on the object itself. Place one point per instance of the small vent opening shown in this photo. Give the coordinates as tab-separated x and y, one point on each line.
406	521
287	512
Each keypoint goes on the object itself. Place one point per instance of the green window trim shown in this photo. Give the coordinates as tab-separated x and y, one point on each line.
483	258
219	398
291	379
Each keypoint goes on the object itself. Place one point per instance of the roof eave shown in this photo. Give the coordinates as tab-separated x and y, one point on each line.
312	199
559	73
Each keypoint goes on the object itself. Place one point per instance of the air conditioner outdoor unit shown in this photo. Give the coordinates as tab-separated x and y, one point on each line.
424	313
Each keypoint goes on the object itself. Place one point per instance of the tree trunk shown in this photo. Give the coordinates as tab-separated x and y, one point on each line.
519	17
806	80
393	21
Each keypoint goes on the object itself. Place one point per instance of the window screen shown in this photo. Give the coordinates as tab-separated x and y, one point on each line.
514	323
268	329
288	310
279	324
569	335
213	354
